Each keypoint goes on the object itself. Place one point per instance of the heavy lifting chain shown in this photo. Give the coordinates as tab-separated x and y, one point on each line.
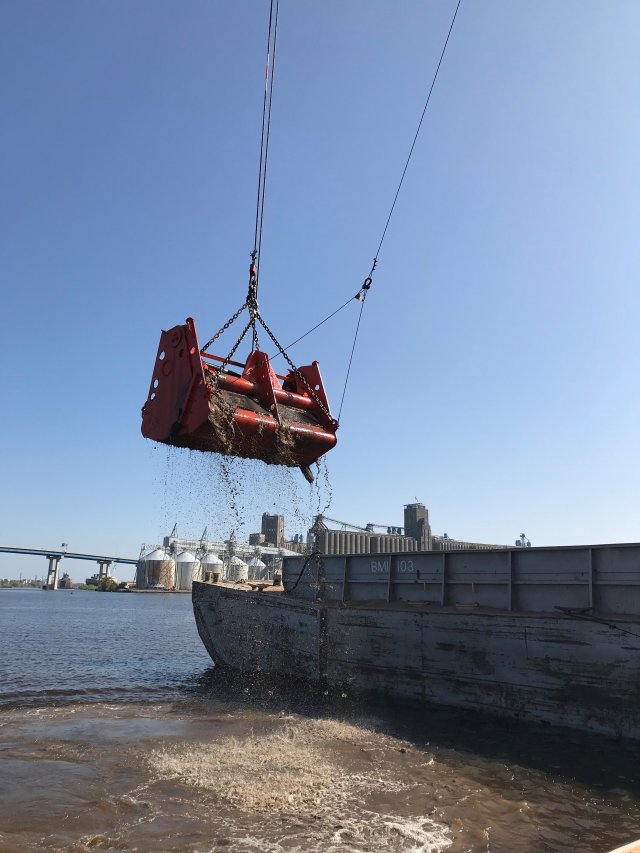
251	303
300	376
252	300
254	318
243	334
223	366
229	322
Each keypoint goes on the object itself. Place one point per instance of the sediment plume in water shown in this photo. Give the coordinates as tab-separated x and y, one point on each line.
285	768
128	740
304	771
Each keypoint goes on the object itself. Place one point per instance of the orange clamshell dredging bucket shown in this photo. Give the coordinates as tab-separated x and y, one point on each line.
255	413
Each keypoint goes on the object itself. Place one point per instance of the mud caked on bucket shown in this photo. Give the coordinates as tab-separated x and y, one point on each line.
196	401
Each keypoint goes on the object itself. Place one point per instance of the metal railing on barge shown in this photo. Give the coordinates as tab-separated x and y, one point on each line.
603	579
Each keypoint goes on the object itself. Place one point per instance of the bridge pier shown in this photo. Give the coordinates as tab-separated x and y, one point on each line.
53	571
104	569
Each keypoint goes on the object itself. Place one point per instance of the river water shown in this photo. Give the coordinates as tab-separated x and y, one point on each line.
116	733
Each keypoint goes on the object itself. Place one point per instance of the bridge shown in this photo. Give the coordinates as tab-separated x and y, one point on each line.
55	555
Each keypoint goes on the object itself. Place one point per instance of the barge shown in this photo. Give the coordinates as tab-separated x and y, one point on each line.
540	634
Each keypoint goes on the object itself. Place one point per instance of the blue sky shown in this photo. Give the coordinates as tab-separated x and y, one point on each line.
496	372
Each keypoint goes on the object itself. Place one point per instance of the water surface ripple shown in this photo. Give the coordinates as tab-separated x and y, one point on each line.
116	733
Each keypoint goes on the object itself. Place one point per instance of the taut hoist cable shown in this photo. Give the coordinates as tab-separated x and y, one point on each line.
265	132
353	349
415	138
361	295
321	323
251	302
269	78
364	290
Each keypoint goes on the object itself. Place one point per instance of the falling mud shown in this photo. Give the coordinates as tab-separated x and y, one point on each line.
324	493
228	495
211	487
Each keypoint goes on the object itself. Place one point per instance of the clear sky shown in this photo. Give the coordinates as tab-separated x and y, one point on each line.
496	376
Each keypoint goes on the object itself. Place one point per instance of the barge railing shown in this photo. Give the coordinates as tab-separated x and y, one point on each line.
603	579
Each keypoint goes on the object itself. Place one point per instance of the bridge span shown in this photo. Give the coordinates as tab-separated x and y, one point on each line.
55	555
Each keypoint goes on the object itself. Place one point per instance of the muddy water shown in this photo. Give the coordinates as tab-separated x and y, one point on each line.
116	734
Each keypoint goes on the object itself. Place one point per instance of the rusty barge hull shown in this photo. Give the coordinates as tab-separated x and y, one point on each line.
425	627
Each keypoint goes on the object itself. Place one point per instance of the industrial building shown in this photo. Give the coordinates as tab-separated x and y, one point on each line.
176	563
416	535
273	529
272	533
416	525
329	541
445	543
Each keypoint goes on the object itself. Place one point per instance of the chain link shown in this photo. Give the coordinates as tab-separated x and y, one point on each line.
252	305
229	322
223	365
243	334
300	376
254	318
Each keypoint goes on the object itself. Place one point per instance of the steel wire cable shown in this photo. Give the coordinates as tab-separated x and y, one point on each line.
262	131
415	138
353	349
317	326
363	293
262	180
268	132
265	131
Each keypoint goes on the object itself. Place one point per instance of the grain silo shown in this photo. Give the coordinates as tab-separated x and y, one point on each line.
186	570
211	564
238	570
159	570
257	569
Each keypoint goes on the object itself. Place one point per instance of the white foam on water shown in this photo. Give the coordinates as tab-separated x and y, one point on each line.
307	788
258	773
365	831
390	832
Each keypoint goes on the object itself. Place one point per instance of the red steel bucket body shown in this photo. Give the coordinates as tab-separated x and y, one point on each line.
254	413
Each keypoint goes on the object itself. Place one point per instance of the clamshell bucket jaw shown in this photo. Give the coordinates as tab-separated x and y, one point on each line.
255	413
